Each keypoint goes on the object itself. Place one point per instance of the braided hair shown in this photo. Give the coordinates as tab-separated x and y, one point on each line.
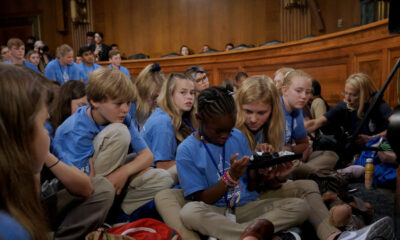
216	101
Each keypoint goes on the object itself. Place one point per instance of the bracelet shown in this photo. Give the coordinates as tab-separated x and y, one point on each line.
54	164
228	180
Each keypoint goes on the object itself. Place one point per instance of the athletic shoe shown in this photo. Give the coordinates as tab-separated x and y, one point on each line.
381	229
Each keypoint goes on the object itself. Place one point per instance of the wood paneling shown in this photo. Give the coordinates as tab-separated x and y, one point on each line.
330	59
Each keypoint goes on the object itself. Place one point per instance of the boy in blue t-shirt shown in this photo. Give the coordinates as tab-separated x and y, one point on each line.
17	53
96	139
115	60
87	65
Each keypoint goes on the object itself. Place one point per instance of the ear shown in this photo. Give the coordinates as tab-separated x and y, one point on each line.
284	90
94	104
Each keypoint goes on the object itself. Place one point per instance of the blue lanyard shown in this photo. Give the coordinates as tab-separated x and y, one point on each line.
91	114
215	163
188	123
292	131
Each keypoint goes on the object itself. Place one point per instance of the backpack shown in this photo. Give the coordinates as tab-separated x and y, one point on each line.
143	229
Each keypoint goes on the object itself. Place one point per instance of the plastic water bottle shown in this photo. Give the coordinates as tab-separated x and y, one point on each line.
369	173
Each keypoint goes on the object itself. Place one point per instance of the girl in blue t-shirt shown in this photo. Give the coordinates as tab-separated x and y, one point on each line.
212	165
172	122
24	146
147	88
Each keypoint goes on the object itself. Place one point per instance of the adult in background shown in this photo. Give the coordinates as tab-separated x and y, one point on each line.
99	49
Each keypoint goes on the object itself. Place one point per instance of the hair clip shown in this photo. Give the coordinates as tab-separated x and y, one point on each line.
156	67
230	93
209	101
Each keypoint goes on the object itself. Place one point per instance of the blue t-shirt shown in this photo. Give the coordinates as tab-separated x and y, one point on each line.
122	69
87	70
55	71
294	125
11	229
159	134
26	64
197	170
73	140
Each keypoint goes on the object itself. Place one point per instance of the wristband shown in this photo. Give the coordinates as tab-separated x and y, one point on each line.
54	164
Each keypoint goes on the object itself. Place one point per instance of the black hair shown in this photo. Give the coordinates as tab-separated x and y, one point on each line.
216	101
100	34
84	49
114	45
239	75
90	34
316	88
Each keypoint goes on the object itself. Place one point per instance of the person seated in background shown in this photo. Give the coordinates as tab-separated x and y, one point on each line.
230	82
89	39
205	48
199	76
29	44
229	46
63	68
17	53
115	46
184	50
240	77
5	54
87	65
78	59
33	57
43	51
280	74
96	139
99	49
115	60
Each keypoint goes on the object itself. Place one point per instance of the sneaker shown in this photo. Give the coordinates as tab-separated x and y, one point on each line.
381	229
290	234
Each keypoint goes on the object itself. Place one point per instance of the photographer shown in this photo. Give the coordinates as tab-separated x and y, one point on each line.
43	51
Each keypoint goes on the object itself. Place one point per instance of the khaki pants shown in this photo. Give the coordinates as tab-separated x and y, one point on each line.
318	161
308	190
211	221
73	217
111	147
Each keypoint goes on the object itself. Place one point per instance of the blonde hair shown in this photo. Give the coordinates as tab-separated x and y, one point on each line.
25	94
109	83
63	50
261	88
284	71
166	103
149	80
287	81
366	87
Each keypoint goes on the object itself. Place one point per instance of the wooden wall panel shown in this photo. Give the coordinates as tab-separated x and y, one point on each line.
330	59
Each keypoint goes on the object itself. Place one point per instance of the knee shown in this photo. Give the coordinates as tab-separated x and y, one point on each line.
168	195
162	178
118	131
302	208
188	213
306	187
103	190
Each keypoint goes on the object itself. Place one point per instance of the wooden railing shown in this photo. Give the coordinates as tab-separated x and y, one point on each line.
330	59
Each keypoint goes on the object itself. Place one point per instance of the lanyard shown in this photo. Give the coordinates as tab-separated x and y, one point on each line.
292	131
215	163
188	123
97	125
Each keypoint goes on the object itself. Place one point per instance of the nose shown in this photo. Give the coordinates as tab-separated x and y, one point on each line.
253	118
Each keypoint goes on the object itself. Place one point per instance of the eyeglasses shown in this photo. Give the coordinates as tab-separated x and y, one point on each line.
204	78
351	95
